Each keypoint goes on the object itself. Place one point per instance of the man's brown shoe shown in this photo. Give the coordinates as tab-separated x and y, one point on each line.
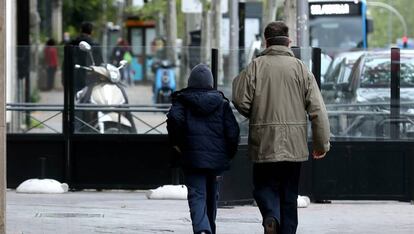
270	225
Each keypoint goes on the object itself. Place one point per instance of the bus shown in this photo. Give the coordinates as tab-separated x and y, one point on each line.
338	26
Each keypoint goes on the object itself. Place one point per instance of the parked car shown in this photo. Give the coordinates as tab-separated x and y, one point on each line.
364	86
370	78
326	61
337	74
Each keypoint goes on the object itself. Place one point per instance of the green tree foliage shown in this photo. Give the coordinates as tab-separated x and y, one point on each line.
151	9
387	27
77	11
180	20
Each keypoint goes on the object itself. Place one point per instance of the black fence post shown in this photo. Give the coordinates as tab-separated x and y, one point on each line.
214	65
68	108
242	26
316	65
296	51
66	66
395	93
23	51
316	61
175	176
43	167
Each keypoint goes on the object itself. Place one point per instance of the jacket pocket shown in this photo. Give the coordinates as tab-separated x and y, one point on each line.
269	140
255	135
296	143
274	143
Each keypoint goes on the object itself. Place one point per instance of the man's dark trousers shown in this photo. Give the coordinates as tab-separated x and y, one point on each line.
276	191
202	196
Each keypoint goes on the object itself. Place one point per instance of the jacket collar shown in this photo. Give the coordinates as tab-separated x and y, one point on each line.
278	50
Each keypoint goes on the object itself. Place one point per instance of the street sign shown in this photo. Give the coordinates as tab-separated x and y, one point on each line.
196	6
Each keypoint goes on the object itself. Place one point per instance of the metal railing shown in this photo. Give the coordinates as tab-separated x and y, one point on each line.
349	118
29	108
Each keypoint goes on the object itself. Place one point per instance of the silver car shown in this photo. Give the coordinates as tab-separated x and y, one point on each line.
359	95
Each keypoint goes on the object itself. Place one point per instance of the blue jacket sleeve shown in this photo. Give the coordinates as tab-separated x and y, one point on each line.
231	130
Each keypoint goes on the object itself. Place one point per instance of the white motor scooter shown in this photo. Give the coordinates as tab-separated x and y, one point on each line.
107	90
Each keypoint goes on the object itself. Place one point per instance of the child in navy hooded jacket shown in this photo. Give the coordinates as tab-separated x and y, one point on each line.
202	127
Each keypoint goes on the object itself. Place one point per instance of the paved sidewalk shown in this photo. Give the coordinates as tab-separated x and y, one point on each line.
130	212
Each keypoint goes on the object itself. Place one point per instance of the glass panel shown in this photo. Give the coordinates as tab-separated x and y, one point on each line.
119	100
233	62
405	122
377	71
229	72
355	88
357	92
35	90
137	98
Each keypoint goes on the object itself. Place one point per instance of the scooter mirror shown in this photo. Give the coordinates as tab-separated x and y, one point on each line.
84	46
123	62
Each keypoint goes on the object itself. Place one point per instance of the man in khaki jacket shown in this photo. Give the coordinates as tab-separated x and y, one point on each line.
277	93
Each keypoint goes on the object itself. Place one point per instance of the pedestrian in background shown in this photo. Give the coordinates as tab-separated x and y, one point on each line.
202	128
117	52
51	61
66	38
277	93
82	58
122	51
81	78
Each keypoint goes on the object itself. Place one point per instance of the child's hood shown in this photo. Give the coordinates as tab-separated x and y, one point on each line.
201	101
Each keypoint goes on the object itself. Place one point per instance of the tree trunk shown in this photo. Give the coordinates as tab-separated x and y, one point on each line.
192	22
302	23
206	34
269	12
2	117
290	19
216	30
160	29
35	42
303	31
234	41
57	20
171	31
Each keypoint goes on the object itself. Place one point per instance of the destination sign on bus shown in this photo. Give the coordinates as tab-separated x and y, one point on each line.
333	9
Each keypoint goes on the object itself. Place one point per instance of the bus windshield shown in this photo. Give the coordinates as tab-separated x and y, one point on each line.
336	34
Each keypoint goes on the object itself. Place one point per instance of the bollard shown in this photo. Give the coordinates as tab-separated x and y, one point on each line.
214	66
42	167
395	94
316	65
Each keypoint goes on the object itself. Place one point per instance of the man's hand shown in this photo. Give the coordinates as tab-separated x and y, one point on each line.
318	155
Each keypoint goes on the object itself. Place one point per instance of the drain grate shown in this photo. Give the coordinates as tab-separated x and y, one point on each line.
68	215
